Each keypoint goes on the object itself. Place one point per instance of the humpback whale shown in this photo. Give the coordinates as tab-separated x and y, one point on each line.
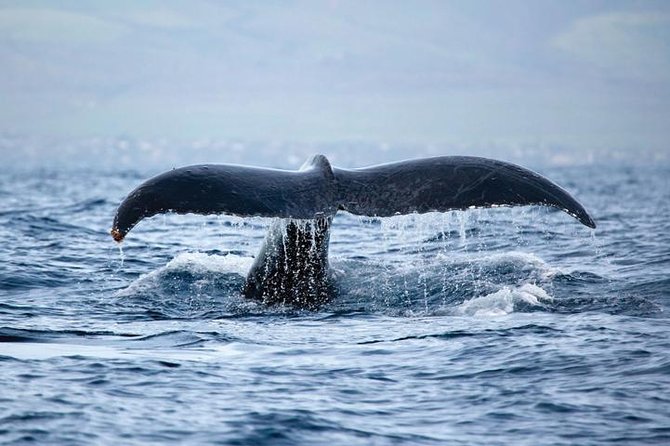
292	265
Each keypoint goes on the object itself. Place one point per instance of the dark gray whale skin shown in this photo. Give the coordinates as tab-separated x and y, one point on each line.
292	266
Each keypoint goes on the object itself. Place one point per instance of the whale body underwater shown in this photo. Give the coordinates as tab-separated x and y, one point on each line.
292	265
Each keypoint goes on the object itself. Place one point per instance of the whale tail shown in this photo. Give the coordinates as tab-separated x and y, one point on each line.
292	266
318	190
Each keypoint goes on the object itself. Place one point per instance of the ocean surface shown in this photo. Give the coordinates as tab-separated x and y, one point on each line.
501	326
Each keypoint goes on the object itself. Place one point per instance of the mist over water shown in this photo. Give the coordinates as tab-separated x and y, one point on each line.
498	326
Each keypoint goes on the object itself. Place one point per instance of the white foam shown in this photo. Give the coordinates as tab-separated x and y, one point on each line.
503	301
198	262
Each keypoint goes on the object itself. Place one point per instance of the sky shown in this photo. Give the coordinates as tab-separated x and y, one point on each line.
580	74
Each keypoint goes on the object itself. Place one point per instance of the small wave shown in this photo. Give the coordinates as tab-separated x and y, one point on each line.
42	227
13	335
192	285
191	269
179	338
31	276
167	339
513	330
87	205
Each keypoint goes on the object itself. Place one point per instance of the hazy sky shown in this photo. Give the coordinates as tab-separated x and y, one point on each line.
576	73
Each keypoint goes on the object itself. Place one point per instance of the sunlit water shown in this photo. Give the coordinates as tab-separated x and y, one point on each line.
504	326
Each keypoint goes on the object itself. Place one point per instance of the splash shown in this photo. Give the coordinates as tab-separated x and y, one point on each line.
197	262
504	301
190	270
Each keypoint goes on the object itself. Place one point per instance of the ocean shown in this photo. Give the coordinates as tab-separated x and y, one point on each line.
489	326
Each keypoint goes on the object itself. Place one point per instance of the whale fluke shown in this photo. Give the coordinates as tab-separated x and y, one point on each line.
292	266
449	183
230	189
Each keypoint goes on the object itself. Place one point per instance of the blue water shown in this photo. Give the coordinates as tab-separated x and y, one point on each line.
503	326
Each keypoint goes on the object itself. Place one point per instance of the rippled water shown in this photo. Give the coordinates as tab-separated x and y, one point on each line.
504	326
